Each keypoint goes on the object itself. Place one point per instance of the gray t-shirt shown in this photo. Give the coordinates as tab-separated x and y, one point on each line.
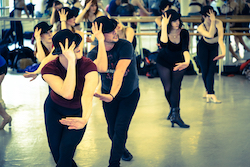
123	49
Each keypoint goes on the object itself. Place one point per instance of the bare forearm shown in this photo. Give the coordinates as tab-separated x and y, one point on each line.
212	29
79	18
47	59
86	107
222	47
40	55
101	60
63	25
52	18
164	34
69	83
186	56
117	83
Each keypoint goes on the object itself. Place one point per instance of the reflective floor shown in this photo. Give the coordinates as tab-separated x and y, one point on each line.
218	136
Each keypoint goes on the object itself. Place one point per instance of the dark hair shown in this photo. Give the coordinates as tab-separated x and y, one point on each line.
170	24
58	3
205	10
94	2
164	4
124	1
174	16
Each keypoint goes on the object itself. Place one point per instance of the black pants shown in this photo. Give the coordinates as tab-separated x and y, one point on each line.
18	28
171	81
206	53
62	141
118	115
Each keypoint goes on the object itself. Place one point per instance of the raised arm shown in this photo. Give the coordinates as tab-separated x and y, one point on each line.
40	54
208	33
164	31
101	61
66	87
63	18
52	17
79	18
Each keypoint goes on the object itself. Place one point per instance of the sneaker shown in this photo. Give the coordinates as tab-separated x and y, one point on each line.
127	156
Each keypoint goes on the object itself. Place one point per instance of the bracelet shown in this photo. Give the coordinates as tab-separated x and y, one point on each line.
111	95
63	21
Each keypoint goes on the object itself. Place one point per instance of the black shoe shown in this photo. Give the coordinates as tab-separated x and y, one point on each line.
175	118
127	156
170	114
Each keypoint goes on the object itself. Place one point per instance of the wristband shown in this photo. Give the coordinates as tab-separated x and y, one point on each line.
111	95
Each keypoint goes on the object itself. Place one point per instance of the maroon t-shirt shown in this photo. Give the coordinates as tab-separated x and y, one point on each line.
83	66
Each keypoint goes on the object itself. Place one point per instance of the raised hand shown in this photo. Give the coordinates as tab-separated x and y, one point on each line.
97	31
165	19
180	66
218	57
63	15
37	34
68	52
104	97
211	15
74	122
88	5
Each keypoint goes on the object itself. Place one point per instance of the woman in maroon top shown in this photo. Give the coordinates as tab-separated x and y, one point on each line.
73	79
172	61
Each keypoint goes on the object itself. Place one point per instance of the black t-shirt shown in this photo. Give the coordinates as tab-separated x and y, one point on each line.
123	49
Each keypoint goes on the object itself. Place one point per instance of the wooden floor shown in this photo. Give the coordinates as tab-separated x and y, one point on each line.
218	136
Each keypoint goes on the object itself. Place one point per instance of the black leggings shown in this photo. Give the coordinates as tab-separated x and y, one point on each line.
171	81
206	53
62	141
118	115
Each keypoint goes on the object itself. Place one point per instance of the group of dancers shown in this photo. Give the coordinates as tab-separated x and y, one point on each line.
73	78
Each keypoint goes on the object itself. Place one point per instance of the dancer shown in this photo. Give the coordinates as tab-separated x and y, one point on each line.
89	14
43	36
125	32
57	6
211	30
172	61
67	21
16	25
73	79
120	87
6	117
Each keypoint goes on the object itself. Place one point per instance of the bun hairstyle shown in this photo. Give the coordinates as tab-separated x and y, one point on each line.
174	16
